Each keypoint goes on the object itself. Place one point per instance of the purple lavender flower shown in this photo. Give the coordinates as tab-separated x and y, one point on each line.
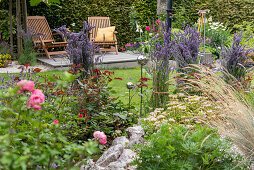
80	49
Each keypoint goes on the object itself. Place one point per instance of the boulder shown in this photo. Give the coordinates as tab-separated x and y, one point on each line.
111	155
135	135
120	140
122	163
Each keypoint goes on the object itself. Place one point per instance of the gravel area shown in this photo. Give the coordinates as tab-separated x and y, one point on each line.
13	68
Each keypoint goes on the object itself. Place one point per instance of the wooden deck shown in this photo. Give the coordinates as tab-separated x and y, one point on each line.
109	60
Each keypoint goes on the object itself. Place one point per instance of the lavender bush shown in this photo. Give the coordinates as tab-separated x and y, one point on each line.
235	59
182	46
160	54
80	49
186	47
28	53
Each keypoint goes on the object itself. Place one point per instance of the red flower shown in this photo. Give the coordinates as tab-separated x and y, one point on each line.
143	79
27	65
97	71
108	72
142	85
56	121
80	115
84	111
118	78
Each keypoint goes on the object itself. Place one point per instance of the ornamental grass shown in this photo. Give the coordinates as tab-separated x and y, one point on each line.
237	117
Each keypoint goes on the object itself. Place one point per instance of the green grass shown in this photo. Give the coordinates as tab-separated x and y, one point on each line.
119	89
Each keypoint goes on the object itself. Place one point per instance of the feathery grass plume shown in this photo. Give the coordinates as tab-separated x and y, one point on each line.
237	112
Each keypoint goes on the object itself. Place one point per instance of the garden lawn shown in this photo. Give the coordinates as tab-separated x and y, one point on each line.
119	89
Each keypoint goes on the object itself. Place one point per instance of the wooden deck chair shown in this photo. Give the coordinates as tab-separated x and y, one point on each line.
44	38
98	23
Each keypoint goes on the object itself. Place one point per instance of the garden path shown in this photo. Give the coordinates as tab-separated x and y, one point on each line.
109	60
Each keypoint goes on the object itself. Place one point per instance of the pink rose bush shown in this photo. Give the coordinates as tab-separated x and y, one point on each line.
26	85
101	137
37	96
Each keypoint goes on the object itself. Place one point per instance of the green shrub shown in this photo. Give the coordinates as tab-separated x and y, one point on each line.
32	138
28	53
5	25
183	148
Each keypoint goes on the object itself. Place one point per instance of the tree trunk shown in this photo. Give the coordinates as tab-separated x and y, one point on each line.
19	27
11	27
24	14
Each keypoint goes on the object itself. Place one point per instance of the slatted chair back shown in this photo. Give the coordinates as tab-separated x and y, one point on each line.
98	22
39	25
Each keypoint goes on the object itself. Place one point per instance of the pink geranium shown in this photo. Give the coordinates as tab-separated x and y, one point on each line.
157	22
208	39
128	45
148	28
26	85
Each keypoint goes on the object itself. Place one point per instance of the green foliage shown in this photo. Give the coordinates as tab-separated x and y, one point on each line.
248	33
184	148
228	12
5	25
143	12
77	11
28	53
31	139
36	2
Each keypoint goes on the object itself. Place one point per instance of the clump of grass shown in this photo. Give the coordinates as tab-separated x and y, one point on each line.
238	116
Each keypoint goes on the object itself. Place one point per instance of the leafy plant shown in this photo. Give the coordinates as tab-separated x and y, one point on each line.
236	110
28	53
248	33
30	136
185	148
235	59
5	25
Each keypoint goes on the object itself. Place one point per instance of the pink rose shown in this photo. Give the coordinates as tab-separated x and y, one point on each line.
103	141
37	98
101	137
26	85
56	121
38	92
98	134
128	45
148	28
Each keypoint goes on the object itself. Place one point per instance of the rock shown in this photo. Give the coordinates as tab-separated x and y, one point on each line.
111	155
120	140
91	166
135	135
126	157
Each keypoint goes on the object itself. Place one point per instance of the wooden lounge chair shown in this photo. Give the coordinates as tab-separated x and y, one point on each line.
44	38
102	22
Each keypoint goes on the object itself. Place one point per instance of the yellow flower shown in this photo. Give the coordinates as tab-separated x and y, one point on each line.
251	60
244	61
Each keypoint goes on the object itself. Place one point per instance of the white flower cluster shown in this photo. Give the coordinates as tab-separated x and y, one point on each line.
185	110
217	25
